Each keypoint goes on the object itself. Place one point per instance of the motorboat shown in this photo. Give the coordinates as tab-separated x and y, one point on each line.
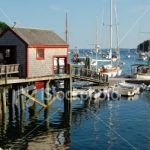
141	71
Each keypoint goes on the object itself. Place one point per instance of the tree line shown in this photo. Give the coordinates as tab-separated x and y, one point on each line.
144	46
3	26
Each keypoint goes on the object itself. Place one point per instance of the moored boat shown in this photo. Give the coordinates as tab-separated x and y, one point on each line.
111	71
141	71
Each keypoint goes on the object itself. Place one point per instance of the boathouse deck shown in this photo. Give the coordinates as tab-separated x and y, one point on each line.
10	75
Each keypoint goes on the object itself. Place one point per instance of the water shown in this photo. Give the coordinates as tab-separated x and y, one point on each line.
110	125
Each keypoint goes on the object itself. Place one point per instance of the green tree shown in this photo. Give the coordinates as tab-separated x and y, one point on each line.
144	46
3	26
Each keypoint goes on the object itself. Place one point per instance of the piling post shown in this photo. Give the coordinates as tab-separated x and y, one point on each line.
32	106
4	105
22	106
68	99
46	92
0	102
11	103
22	121
4	110
4	124
46	118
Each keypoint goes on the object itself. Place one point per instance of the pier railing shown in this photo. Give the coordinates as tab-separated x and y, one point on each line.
87	74
8	71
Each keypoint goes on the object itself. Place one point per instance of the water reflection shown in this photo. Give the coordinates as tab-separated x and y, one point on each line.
48	129
37	134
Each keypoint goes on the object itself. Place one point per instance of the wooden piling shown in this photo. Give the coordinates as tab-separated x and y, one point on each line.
4	105
22	122
4	124
46	92
0	102
46	118
32	107
68	100
10	104
22	106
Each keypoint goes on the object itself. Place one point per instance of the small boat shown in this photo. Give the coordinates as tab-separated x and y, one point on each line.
141	71
111	71
135	87
127	89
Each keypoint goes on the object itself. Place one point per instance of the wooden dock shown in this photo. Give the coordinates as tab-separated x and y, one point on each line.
13	80
113	81
21	90
88	75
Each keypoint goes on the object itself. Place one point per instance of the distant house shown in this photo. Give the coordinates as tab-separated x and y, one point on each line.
39	52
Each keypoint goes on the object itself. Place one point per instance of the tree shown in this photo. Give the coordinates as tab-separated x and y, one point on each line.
144	46
3	26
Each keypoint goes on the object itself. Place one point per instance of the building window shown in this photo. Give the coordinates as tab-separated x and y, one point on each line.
40	54
7	53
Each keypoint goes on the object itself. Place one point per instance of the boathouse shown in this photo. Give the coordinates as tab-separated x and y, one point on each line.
37	52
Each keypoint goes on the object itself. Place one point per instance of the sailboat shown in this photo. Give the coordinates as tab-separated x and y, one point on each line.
110	70
95	61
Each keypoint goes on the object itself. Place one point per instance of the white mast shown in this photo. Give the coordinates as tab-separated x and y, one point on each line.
111	33
116	19
96	41
66	29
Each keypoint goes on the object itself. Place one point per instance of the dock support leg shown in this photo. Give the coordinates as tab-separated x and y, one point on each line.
68	99
46	101
46	92
0	102
11	103
22	106
22	109
4	108
4	111
32	106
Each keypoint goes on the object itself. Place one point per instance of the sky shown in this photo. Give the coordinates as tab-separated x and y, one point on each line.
86	18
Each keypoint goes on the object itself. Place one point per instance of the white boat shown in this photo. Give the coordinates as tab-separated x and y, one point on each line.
135	87
141	71
111	70
124	91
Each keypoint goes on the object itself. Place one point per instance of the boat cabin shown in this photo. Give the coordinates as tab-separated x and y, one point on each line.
37	52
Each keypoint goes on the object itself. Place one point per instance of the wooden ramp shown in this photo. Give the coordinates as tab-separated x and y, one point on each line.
88	75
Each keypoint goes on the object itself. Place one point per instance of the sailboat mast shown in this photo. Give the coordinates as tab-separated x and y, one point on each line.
116	20
96	41
111	33
66	29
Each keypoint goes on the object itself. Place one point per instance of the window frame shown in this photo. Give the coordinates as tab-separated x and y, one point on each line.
38	57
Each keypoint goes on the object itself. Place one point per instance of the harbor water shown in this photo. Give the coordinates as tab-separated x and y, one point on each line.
101	125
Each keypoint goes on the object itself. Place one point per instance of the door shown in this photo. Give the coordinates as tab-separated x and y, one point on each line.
8	55
59	65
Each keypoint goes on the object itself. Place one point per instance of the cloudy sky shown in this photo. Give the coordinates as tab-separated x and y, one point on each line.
133	18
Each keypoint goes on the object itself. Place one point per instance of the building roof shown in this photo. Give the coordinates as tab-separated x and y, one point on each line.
39	36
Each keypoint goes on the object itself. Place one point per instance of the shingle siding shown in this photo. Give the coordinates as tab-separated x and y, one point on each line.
44	67
11	39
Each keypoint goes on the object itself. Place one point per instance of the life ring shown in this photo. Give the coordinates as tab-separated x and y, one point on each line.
103	96
115	95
